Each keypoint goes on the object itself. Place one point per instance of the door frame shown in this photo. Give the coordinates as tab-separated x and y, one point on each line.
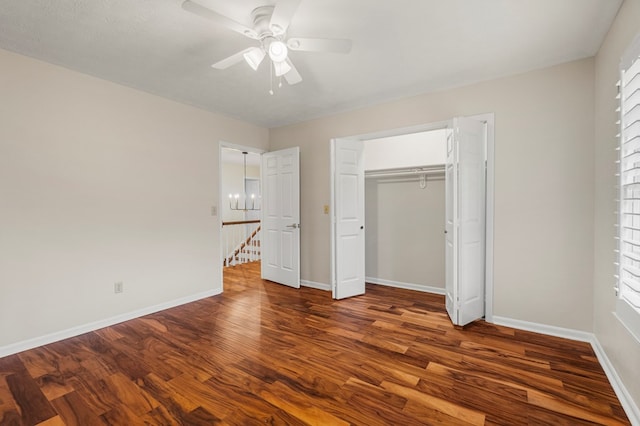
221	198
489	119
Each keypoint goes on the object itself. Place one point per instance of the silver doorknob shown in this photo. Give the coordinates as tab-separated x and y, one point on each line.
294	225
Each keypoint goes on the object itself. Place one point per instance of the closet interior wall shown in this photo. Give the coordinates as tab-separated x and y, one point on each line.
404	232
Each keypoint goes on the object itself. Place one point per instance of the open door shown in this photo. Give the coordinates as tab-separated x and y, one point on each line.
348	269
281	216
465	221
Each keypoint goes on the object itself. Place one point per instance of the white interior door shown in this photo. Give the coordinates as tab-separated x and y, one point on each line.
348	269
451	255
465	221
280	240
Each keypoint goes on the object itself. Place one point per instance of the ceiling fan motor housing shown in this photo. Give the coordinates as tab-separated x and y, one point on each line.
261	22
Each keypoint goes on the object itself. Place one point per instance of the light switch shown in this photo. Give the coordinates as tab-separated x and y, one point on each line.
214	210
326	209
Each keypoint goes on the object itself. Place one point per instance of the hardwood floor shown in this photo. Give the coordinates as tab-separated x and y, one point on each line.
262	353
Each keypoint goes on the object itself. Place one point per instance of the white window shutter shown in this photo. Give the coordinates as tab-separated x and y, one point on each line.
628	226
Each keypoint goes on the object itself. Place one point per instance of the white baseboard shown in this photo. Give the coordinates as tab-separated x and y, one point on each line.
627	402
406	286
550	330
313	284
92	326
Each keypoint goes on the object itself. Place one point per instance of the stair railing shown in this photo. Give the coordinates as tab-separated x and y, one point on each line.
240	242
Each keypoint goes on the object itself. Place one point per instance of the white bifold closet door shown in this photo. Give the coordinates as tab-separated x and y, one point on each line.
348	269
465	221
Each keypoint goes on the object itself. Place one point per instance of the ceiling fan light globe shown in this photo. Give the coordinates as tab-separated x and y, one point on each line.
278	51
281	68
254	57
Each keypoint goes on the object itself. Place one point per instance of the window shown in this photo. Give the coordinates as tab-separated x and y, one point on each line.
628	262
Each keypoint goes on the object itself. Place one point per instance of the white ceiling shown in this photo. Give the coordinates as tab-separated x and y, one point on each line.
400	47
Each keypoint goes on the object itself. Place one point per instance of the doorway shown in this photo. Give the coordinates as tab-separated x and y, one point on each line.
260	189
488	119
240	203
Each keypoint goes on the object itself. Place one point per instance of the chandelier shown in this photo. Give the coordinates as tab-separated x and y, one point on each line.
244	202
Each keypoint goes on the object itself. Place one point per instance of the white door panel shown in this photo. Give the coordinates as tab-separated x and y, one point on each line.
281	216
465	221
348	219
451	258
470	136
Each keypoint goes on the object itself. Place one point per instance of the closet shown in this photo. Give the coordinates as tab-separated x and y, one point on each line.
405	210
395	234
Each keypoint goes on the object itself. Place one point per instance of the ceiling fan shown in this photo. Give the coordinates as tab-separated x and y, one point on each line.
270	24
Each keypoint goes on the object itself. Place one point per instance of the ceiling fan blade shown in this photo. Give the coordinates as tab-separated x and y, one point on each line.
282	15
320	45
231	60
219	19
293	76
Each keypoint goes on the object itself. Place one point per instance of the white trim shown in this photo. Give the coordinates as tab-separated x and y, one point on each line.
96	325
550	330
313	284
420	128
630	408
332	217
407	286
489	118
629	318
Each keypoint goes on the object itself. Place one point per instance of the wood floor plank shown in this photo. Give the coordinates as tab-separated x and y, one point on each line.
160	416
131	395
263	353
173	405
75	412
300	407
583	413
451	409
38	363
53	421
375	404
54	386
9	411
199	394
33	406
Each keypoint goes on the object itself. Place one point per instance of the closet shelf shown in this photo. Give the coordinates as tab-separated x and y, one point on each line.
406	171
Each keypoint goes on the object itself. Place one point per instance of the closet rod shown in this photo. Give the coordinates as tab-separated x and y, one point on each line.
406	171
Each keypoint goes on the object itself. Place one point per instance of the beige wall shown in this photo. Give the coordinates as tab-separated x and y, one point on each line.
404	231
543	184
101	183
621	348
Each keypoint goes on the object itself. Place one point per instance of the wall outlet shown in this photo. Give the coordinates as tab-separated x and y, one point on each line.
118	287
326	209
